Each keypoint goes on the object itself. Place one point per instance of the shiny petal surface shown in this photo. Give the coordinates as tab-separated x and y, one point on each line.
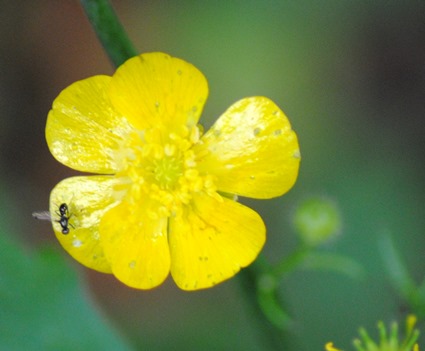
157	89
87	199
213	241
252	150
83	131
136	245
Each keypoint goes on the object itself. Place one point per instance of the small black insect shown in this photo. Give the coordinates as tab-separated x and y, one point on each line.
64	217
62	213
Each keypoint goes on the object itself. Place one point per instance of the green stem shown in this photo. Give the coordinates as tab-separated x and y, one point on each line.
272	322
334	262
289	263
109	30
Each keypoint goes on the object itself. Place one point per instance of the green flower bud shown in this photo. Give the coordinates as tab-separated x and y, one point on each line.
317	220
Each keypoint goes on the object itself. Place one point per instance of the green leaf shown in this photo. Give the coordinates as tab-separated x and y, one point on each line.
396	268
42	306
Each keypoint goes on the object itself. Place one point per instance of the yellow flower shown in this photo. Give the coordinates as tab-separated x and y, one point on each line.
163	197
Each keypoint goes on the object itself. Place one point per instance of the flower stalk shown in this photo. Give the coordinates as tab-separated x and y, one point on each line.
109	30
263	299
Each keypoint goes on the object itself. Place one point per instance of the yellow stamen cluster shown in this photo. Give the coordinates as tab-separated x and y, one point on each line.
161	168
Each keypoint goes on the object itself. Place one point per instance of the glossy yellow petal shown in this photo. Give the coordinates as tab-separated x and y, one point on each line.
87	199
212	241
136	245
251	149
330	347
83	131
157	89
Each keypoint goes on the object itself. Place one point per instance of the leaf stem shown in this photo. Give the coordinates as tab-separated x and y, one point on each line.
109	30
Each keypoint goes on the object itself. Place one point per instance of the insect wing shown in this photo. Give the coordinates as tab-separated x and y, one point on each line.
43	216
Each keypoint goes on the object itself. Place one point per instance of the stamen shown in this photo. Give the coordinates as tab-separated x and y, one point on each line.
163	169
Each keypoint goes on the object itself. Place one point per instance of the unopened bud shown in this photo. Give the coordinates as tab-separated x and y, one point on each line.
317	220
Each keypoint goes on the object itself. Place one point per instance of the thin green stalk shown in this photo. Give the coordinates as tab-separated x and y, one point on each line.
289	263
271	330
109	30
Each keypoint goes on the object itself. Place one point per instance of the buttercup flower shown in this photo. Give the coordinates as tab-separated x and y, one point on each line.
163	197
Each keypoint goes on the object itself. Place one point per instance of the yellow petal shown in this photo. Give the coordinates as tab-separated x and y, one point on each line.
87	199
136	245
212	241
252	150
83	131
156	88
330	347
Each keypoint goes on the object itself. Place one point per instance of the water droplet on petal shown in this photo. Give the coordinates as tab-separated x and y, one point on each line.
297	154
132	264
77	243
257	131
277	132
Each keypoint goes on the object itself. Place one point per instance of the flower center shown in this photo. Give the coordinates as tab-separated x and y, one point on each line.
167	171
162	169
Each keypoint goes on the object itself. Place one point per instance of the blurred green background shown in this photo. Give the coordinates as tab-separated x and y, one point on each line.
351	78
